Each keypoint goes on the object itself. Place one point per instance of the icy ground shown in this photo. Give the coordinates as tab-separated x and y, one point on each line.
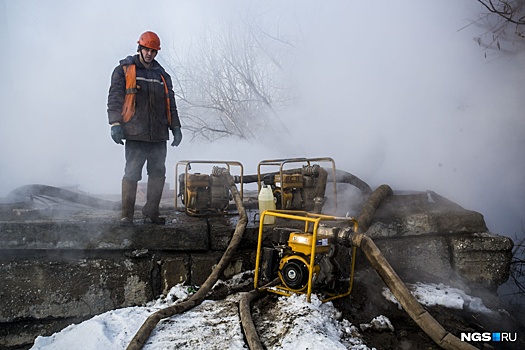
291	323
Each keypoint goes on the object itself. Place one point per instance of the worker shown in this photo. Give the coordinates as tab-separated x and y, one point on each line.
142	110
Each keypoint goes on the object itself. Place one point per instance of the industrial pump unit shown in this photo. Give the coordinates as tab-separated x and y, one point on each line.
298	189
317	259
293	189
204	194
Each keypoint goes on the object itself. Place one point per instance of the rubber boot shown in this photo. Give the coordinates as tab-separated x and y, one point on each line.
129	194
153	196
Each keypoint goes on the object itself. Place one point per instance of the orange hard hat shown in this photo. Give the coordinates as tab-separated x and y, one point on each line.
150	40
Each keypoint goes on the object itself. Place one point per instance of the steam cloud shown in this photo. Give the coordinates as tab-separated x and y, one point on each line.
395	93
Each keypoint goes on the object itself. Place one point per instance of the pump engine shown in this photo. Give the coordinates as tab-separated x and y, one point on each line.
201	192
304	261
301	190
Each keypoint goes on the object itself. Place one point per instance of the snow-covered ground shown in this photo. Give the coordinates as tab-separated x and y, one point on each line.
291	323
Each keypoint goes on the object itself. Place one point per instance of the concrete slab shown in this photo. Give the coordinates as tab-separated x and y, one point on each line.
70	262
482	257
423	213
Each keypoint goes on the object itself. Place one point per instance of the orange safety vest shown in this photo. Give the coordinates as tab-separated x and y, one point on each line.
128	109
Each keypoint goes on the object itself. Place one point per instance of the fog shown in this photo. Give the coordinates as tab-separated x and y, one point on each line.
397	93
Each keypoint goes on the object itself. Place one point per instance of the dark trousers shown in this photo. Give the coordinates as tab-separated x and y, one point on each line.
140	152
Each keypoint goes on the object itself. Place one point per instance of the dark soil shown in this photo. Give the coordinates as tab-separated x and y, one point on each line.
366	302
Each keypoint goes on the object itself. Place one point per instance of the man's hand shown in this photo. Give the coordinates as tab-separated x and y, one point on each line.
177	136
117	134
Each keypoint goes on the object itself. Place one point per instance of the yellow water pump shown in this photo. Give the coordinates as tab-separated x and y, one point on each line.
312	259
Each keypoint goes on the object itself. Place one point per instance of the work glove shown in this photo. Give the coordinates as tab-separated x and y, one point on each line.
117	134
177	136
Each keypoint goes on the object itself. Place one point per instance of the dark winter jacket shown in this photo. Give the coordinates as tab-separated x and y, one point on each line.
150	121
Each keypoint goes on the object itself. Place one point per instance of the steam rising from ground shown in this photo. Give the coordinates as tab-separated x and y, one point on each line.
395	93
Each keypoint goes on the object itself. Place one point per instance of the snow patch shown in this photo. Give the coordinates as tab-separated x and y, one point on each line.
291	323
440	294
380	323
111	330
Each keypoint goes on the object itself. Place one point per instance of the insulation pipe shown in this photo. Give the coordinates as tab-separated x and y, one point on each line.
151	322
62	193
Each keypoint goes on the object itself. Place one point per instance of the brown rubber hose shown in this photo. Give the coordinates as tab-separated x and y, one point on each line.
151	322
424	320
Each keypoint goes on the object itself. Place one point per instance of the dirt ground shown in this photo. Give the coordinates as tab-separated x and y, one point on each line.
366	302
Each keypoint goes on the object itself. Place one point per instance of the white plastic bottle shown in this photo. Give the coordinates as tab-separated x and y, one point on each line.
266	202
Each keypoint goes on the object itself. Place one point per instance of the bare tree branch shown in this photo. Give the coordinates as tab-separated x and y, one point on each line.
506	9
232	82
502	15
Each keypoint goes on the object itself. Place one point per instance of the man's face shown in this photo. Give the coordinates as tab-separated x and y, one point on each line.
148	54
